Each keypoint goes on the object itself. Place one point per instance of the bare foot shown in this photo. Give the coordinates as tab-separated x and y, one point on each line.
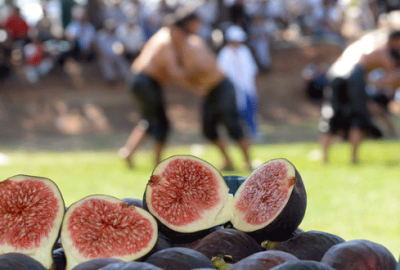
124	153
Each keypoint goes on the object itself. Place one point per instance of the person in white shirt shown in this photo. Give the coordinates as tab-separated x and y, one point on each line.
238	63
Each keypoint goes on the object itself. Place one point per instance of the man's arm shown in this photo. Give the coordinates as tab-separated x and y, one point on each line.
181	75
391	79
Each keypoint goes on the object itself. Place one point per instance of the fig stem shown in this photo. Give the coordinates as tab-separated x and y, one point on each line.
219	262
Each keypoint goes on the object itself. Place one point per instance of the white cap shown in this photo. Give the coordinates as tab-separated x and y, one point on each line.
235	33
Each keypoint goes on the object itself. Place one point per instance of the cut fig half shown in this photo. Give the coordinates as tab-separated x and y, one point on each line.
31	213
187	194
271	203
101	226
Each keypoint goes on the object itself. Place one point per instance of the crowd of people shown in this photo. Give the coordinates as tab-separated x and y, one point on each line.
147	49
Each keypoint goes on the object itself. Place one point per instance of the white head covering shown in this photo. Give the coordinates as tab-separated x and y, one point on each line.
235	33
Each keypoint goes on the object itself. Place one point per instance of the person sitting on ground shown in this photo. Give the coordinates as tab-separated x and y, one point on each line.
346	112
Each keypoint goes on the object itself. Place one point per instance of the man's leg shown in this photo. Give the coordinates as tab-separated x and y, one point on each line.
210	122
356	135
231	119
325	140
137	136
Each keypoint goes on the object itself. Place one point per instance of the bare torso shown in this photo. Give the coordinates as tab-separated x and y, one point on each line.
197	57
153	57
380	58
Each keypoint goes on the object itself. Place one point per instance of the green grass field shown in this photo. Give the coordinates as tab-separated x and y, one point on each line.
354	202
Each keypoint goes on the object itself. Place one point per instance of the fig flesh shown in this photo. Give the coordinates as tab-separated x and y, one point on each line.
271	203
31	213
187	194
101	226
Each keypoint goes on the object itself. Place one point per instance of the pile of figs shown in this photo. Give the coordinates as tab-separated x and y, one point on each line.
188	218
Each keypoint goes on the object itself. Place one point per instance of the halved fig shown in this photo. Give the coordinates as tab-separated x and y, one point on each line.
271	203
187	194
31	213
101	226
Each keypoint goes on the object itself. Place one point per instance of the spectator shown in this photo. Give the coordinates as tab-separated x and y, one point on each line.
44	27
37	64
115	12
238	15
208	12
16	26
261	33
81	34
5	67
110	50
314	75
133	39
237	61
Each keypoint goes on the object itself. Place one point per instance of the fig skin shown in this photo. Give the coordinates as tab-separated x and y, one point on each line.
264	260
303	265
19	261
238	245
359	254
96	264
179	258
130	266
133	201
310	245
287	222
59	260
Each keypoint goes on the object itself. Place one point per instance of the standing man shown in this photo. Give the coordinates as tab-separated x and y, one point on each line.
214	86
155	67
346	112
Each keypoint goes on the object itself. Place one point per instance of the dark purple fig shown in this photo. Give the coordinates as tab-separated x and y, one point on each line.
310	245
236	244
179	258
303	265
264	260
19	261
359	254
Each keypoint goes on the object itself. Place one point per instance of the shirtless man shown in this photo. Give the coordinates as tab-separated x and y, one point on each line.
346	112
218	92
155	67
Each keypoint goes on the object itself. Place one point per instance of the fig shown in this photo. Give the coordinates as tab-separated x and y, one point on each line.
179	258
271	203
131	266
101	226
96	264
19	261
236	244
60	262
310	245
359	254
134	202
187	195
264	260
303	265
31	213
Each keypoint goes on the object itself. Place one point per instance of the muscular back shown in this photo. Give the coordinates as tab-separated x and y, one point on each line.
153	57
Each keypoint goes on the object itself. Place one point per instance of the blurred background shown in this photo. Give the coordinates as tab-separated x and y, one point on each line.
56	92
